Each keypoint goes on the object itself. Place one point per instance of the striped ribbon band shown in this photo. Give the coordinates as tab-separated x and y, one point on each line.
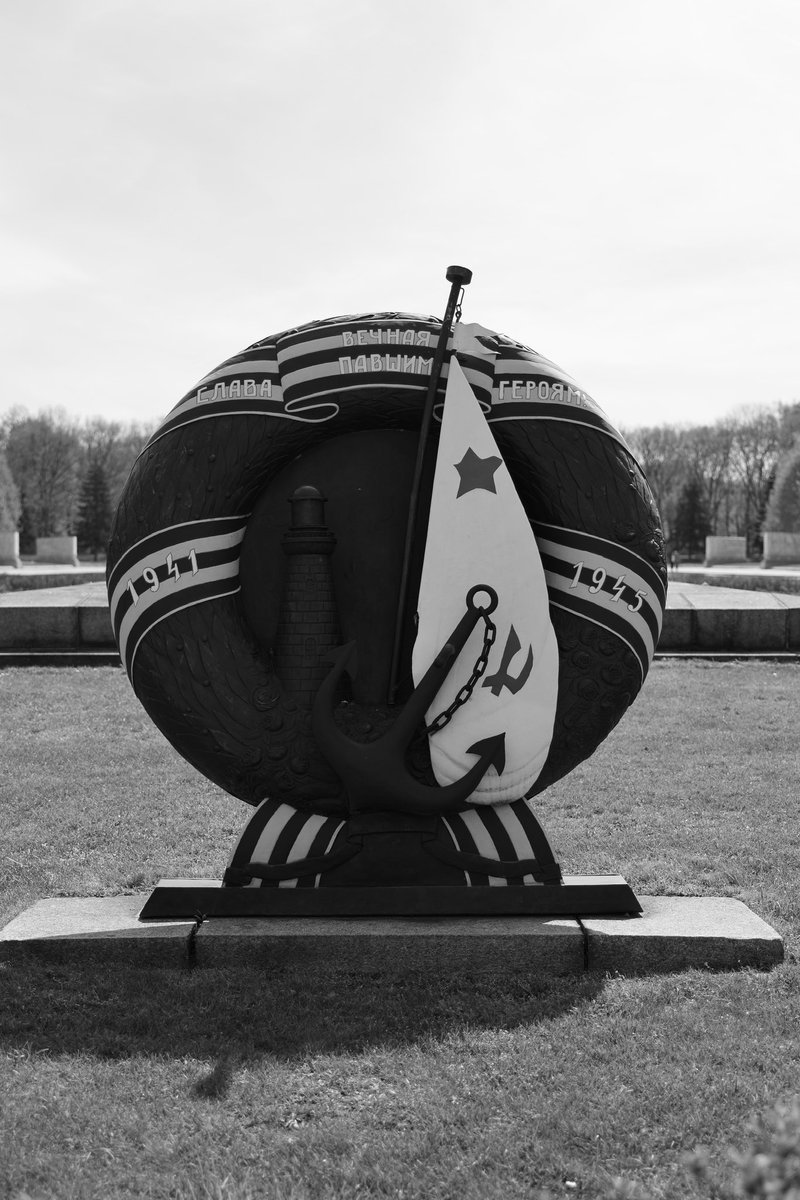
247	385
506	832
277	833
604	583
307	375
170	570
348	354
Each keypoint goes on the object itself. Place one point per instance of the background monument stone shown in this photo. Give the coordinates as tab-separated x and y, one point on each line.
9	549
781	549
725	550
57	550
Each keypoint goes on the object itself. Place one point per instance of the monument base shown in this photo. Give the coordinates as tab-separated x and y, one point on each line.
576	896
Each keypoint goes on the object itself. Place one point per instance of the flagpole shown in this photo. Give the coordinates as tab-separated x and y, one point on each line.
458	278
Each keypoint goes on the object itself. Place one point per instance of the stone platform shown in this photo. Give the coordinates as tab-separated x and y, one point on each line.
699	617
706	617
673	933
75	617
750	576
31	576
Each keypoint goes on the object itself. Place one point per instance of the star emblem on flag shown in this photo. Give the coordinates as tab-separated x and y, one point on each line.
476	473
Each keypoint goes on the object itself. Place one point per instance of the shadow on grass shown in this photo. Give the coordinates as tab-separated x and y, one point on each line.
226	1018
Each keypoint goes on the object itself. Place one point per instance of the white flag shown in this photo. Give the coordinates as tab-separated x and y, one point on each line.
479	534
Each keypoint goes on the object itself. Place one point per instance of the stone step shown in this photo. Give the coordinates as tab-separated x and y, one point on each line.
705	617
699	617
673	933
72	618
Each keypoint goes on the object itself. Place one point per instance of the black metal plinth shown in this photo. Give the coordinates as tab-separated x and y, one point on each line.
576	896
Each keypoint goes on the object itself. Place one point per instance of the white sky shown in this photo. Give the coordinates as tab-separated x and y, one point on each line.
182	177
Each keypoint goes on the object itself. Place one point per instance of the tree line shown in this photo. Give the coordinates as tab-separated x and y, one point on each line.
63	476
737	476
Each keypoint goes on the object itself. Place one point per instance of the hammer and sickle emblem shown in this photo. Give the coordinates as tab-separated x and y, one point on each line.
502	678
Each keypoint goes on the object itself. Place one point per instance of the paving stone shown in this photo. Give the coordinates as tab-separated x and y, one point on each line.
56	618
526	946
674	933
677	632
38	627
94	625
95	929
737	628
793	629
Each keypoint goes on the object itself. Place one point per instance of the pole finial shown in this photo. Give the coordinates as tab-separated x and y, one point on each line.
461	275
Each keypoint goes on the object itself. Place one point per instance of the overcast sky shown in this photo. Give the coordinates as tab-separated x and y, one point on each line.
182	177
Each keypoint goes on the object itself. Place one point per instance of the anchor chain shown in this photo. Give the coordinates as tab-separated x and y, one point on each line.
463	694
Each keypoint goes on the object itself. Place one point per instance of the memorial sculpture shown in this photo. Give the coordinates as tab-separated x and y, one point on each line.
386	578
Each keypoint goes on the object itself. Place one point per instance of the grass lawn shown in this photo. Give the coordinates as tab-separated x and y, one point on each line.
198	1084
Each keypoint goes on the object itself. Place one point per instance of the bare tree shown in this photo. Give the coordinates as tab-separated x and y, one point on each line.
43	455
755	451
707	455
657	449
783	510
114	447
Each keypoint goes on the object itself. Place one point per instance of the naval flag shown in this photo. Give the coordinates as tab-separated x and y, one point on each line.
479	536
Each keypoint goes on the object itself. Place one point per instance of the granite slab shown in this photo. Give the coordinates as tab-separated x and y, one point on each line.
675	933
95	929
528	946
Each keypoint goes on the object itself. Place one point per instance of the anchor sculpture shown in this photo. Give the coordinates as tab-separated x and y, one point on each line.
374	774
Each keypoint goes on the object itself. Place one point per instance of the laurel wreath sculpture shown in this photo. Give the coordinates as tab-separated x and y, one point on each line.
194	662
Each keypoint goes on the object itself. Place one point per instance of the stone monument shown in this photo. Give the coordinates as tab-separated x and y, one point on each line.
385	579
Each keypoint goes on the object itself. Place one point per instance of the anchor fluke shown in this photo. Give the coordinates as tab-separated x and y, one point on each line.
492	751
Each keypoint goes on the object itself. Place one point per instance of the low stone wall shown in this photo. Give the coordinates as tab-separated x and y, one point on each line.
785	583
763	624
75	618
781	549
725	550
25	581
9	550
57	550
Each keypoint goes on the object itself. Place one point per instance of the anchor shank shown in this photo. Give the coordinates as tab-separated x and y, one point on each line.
426	690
